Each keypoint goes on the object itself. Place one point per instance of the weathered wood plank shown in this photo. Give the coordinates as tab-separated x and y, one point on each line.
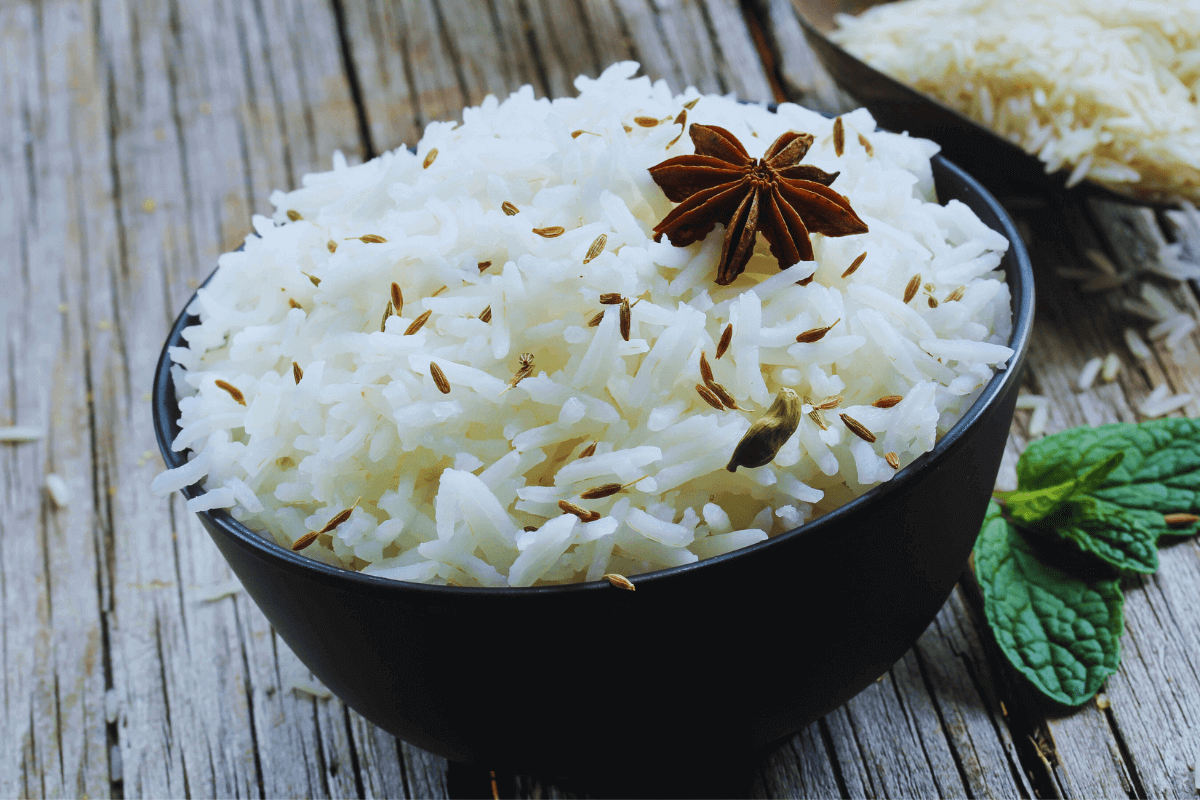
800	75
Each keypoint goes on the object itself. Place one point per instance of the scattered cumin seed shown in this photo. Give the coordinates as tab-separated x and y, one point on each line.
914	283
234	392
339	518
430	158
806	281
397	299
332	245
892	459
611	298
627	129
929	287
681	121
509	208
594	321
933	303
839	137
646	122
588	451
680	118
486	315
832	402
387	312
726	338
552	232
600	492
707	396
304	541
888	401
1179	520
855	264
857	428
418	323
597	247
313	278
297	373
817	334
705	370
619	581
815	416
526	362
439	378
483	265
724	395
294	215
439	291
530	528
371	238
866	143
583	514
581	132
690	104
957	294
626	319
292	302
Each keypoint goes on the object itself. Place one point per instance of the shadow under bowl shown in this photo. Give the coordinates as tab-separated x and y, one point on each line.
701	663
999	164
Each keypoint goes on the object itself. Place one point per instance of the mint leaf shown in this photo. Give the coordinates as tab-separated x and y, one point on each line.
1060	632
1159	474
1125	538
1030	506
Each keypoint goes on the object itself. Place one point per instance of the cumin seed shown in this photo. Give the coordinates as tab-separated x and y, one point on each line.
611	298
839	137
707	396
304	541
626	319
690	104
483	265
397	299
486	315
418	323
294	215
371	238
509	208
888	401
439	378
892	459
552	232
816	334
1179	520
297	373
439	291
526	362
313	278
832	402
597	247
646	122
234	392
430	158
332	245
933	303
530	528
855	264
339	518
726	338
588	451
857	428
866	143
914	283
619	581
600	492
705	370
387	312
292	302
594	321
724	395
583	514
957	294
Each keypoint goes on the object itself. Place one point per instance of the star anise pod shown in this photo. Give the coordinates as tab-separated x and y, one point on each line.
778	195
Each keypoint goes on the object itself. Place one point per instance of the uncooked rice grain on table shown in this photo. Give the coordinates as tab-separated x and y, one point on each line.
469	488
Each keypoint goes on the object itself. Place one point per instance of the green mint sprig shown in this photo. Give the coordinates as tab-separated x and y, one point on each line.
1090	505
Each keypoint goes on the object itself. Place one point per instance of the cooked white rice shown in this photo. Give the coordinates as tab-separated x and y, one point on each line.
463	487
1104	88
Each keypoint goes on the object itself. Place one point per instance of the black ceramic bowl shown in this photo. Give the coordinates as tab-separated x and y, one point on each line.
1000	164
702	661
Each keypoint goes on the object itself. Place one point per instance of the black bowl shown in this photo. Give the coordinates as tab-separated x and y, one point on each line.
998	163
701	662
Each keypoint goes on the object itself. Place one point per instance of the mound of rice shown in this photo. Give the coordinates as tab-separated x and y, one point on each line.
463	486
1105	88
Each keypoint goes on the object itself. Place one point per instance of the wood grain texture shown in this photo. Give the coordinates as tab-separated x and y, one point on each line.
140	137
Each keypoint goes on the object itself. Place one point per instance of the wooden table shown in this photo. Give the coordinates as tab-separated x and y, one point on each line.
139	138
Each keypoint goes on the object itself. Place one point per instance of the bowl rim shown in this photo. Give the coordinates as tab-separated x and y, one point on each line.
1021	287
